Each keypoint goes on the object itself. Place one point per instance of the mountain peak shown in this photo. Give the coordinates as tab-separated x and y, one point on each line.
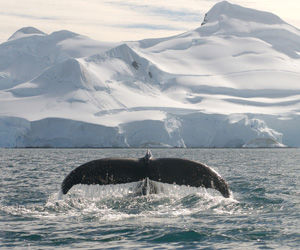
63	34
25	31
234	11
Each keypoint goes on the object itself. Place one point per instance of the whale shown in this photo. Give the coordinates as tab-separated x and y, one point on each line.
146	170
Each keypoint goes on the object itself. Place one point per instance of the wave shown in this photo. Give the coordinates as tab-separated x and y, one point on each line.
119	202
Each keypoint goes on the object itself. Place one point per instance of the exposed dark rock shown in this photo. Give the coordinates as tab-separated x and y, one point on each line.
135	65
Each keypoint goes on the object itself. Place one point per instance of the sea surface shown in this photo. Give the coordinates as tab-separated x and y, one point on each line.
263	213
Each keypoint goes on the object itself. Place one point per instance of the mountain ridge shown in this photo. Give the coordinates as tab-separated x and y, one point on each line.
239	63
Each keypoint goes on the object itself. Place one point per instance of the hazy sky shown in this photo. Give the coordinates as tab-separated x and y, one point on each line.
120	20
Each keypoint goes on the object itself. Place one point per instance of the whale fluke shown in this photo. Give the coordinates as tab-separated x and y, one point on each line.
166	170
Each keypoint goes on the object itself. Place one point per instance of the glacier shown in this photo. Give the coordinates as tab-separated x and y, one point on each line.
232	82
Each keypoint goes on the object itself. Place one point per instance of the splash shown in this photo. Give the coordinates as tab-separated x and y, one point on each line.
120	203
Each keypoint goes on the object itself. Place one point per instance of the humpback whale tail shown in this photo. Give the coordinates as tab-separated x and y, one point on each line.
166	170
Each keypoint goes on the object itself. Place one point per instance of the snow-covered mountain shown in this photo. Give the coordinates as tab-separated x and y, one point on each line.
232	82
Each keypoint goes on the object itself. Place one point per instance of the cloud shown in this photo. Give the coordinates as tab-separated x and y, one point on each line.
149	27
178	15
116	20
93	18
28	16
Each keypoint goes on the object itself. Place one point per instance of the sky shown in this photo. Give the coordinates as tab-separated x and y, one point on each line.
123	20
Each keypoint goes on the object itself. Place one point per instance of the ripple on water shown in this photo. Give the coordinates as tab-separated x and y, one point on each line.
262	213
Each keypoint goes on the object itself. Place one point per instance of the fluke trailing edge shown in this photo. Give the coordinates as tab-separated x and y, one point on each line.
166	170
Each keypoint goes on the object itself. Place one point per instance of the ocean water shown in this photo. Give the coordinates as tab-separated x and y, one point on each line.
264	212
